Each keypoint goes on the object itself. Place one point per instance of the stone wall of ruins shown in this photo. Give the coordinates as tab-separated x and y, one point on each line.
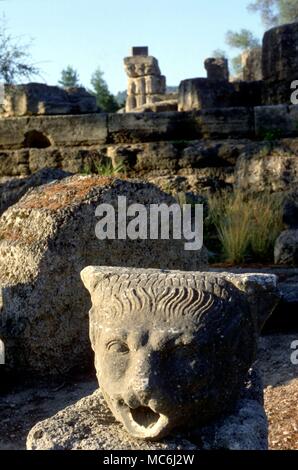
207	146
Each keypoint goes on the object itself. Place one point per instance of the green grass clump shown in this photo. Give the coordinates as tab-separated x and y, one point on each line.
246	225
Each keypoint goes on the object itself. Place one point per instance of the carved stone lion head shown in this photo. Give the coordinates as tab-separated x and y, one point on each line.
172	349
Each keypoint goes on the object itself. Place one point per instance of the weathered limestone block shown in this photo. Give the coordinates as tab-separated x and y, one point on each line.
44	131
158	106
252	65
286	248
145	82
211	154
71	159
231	123
217	68
136	128
40	99
199	180
203	93
170	158
173	349
46	239
155	85
290	209
13	190
12	133
276	121
139	66
141	159
262	167
280	62
90	425
14	163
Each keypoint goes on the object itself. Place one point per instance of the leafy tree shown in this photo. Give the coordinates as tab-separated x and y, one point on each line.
105	100
15	60
242	40
121	98
69	77
275	12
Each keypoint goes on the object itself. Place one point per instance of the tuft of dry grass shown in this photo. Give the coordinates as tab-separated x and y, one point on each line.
246	225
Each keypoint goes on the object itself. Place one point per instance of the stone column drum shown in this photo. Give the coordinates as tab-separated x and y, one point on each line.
173	349
146	85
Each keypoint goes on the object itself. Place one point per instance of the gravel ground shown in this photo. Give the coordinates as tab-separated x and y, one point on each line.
280	378
23	407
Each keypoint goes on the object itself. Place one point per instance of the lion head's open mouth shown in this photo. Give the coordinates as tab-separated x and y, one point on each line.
144	416
143	422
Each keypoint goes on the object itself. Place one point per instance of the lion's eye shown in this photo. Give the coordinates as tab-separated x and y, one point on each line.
118	347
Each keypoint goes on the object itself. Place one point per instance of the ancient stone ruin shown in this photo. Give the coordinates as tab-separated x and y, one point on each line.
174	342
46	239
38	99
146	85
145	82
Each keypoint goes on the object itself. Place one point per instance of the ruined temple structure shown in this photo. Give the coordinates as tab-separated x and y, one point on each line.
217	139
267	74
146	84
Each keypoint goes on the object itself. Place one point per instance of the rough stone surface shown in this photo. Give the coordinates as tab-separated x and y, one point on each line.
40	99
146	85
155	158
196	160
217	68
13	190
229	123
284	317
172	348
200	181
46	239
44	131
280	60
266	167
137	128
276	121
252	64
279	63
290	209
90	425
203	93
286	248
164	106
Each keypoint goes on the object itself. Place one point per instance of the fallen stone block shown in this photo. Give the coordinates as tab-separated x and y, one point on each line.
40	99
286	248
13	190
46	239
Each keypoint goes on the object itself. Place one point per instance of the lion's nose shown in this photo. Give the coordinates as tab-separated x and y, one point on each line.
144	378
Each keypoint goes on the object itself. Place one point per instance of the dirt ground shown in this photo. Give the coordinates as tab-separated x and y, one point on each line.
280	379
23	407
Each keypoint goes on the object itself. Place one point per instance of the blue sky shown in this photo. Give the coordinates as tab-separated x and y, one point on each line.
91	33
